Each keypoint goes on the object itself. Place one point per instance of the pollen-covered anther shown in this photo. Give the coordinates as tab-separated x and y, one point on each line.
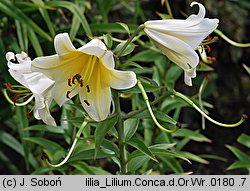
88	89
87	103
67	94
10	86
78	76
81	83
69	82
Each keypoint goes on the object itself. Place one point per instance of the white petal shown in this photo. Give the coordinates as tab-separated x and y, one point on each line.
99	97
122	79
59	91
63	44
97	48
9	56
187	79
176	50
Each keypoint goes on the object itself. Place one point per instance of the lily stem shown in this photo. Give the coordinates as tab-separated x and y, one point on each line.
78	134
145	97
241	45
141	27
190	102
120	129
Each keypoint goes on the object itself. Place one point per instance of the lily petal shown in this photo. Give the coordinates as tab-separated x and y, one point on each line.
122	79
63	44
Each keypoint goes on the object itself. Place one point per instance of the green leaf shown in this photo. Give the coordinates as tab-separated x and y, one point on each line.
159	152
35	43
130	127
244	140
138	144
239	164
7	162
215	157
88	155
193	157
239	154
45	16
247	68
102	128
149	86
127	50
125	26
14	144
83	167
172	163
75	11
11	10
137	162
111	28
158	114
46	128
54	150
193	135
108	40
146	56
173	74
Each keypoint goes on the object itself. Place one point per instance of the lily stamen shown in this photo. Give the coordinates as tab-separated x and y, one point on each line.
87	103
69	82
67	94
88	89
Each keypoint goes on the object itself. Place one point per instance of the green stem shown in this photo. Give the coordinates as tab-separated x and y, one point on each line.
202	87
133	113
169	9
241	45
78	134
141	27
145	97
190	102
120	129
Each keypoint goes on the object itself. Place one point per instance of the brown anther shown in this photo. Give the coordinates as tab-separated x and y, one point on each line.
88	89
67	94
208	48
87	103
73	80
81	83
16	96
78	76
10	86
69	82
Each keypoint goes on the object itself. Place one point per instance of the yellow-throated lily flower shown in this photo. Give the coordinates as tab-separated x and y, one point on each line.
178	39
40	86
87	71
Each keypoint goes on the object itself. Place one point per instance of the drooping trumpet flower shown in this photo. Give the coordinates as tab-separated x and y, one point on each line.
178	39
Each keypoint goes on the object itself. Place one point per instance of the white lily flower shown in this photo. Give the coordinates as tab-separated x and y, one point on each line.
20	69
178	39
87	71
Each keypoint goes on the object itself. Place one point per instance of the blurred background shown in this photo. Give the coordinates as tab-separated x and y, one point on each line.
228	88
